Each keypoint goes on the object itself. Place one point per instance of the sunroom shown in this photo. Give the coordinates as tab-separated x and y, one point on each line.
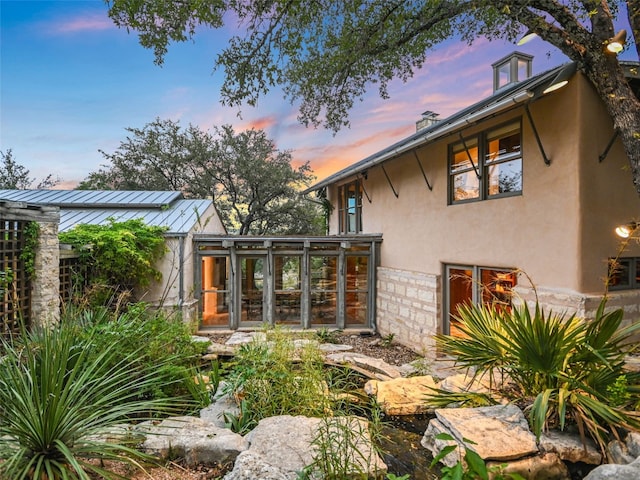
300	282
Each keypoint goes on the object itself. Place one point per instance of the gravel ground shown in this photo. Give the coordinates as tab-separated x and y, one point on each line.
371	345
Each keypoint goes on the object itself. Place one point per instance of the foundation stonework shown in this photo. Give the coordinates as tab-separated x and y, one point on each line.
408	307
582	305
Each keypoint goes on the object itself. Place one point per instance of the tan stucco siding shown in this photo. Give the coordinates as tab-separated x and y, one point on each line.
559	231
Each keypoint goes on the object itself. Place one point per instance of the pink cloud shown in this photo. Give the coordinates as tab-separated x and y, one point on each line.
89	22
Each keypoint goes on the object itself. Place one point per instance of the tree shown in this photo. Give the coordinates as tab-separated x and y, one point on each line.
326	53
254	186
14	176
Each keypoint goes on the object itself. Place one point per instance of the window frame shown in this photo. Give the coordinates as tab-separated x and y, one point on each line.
483	161
632	281
478	289
344	209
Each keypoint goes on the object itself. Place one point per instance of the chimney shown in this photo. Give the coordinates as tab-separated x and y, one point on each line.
428	118
511	69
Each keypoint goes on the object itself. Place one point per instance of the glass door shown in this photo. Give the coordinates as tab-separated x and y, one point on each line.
252	295
215	291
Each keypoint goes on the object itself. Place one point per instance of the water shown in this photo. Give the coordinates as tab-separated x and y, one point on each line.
403	453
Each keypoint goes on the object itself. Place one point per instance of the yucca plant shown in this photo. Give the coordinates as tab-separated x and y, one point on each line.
59	401
563	369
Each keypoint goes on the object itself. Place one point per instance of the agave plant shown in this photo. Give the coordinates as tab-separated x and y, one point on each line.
59	401
564	368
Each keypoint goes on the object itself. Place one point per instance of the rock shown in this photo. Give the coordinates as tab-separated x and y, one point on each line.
462	382
401	396
281	447
569	447
334	347
220	405
221	350
500	433
380	369
241	338
633	444
537	467
615	472
196	440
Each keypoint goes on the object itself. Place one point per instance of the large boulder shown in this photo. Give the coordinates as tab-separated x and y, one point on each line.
281	447
613	471
401	396
499	433
194	439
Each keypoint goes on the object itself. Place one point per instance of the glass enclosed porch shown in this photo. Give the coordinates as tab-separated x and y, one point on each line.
305	282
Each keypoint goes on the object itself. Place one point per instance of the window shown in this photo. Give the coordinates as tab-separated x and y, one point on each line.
471	284
624	273
486	166
350	207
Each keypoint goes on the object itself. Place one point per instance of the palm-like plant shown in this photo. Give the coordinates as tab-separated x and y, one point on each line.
562	367
59	401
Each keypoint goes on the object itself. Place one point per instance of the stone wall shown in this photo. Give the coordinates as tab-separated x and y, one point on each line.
580	304
408	306
45	287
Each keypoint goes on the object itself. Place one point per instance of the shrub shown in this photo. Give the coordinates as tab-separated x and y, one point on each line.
265	374
59	399
561	369
159	341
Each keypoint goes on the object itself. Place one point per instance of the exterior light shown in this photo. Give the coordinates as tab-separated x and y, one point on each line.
562	78
527	37
625	231
616	44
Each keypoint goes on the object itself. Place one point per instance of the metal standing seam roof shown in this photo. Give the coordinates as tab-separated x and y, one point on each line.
502	100
155	208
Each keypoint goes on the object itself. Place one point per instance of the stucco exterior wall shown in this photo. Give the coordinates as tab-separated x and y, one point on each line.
175	292
560	231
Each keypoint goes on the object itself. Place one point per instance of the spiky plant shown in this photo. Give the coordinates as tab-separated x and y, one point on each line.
563	368
59	401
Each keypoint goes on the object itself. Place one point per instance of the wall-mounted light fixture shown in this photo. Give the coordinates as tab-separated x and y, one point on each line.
527	37
616	44
562	78
626	230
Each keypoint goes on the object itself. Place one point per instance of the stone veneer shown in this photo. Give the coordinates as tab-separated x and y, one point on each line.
582	305
45	287
408	306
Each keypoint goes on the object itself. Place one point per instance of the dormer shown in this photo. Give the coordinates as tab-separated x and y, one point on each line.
513	68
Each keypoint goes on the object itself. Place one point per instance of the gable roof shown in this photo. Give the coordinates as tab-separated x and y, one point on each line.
501	101
95	207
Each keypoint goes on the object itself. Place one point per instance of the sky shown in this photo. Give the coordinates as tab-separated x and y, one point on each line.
71	82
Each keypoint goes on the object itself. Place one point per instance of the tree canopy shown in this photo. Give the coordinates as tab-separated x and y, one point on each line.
325	54
14	176
253	184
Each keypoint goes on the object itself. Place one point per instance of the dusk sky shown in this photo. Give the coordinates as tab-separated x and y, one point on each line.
71	82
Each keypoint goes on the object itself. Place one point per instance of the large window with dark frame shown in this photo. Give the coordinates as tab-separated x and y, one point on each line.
350	207
467	284
487	165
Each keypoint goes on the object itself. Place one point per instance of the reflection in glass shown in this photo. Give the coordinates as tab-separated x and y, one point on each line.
357	290
324	293
215	291
252	271
288	291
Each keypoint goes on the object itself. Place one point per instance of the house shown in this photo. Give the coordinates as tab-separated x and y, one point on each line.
183	218
515	197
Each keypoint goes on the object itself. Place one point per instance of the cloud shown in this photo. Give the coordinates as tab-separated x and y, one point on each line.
90	22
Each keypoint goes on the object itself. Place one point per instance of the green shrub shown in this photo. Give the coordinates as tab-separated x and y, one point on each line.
265	375
561	369
59	398
161	342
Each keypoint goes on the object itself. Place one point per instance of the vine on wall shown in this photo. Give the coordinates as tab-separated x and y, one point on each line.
117	257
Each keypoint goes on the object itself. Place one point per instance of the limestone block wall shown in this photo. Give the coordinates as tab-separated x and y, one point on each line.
408	307
582	305
45	287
